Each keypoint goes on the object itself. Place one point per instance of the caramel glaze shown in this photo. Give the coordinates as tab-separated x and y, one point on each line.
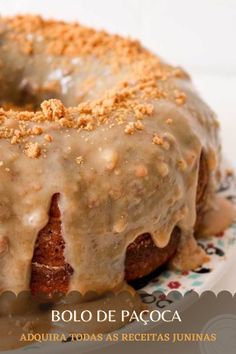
123	163
50	274
124	159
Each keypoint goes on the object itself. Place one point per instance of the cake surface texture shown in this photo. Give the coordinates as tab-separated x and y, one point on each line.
108	159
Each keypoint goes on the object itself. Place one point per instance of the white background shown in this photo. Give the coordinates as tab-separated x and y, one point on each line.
199	35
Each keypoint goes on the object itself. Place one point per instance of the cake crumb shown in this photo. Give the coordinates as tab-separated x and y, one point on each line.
139	125
182	165
37	130
53	109
162	169
130	128
120	225
180	97
14	140
141	171
157	140
79	160
48	138
32	150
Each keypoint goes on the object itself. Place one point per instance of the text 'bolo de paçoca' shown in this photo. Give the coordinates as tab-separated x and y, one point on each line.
144	316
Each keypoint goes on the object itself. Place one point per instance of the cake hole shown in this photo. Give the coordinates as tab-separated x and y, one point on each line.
22	90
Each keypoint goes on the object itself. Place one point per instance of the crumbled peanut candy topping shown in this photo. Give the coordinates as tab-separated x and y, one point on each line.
73	39
32	150
79	160
127	104
132	98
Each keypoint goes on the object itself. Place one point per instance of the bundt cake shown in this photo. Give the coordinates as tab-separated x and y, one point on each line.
108	159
